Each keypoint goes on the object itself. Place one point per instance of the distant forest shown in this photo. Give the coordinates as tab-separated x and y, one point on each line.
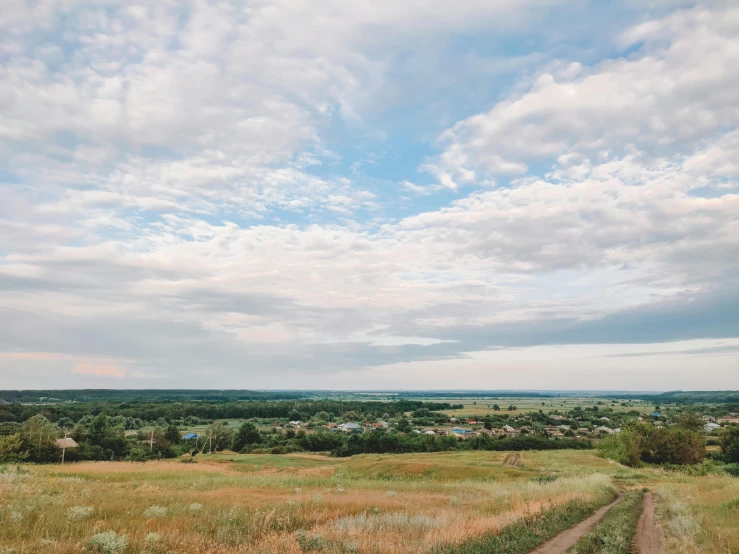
151	411
142	395
226	395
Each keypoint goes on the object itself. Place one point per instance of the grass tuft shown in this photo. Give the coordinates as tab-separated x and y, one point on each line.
109	542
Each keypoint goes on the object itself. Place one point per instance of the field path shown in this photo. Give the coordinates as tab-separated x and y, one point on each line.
567	539
647	534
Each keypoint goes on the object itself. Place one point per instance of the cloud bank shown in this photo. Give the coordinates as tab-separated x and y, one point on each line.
330	196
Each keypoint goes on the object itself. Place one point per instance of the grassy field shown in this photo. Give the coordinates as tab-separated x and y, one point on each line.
416	503
483	406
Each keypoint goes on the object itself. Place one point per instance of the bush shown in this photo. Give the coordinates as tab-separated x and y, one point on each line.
640	442
137	455
76	513
107	543
156	511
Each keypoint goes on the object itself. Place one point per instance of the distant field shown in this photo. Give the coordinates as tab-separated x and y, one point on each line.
483	406
228	503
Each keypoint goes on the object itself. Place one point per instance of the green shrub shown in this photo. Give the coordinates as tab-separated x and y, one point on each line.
137	455
640	442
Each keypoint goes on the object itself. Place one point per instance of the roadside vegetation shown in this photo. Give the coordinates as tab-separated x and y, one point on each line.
614	534
528	532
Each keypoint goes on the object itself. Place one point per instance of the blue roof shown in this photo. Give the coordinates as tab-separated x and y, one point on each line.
190	436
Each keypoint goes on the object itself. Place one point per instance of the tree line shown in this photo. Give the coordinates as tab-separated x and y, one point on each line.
171	411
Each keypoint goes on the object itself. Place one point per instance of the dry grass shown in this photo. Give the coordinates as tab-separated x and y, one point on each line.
699	515
256	504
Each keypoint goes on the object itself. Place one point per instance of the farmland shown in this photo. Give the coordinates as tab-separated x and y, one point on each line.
254	503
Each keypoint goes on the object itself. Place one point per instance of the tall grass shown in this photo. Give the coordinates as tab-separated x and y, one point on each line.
529	531
252	504
699	514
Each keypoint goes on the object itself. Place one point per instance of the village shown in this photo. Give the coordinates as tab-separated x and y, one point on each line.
579	424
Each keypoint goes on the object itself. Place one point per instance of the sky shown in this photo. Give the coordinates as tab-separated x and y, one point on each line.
276	194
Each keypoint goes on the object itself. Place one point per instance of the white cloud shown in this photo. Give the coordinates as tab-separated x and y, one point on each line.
677	89
172	205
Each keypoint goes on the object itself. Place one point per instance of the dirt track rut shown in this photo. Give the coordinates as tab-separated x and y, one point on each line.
567	539
647	534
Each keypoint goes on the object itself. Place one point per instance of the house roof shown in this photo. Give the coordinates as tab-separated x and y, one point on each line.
190	436
66	443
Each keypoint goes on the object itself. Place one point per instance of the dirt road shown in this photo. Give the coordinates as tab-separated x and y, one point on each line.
566	539
647	534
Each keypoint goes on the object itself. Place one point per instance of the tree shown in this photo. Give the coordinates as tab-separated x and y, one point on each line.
39	439
247	435
639	442
172	434
496	407
110	441
404	425
512	408
690	421
218	437
65	423
730	444
11	449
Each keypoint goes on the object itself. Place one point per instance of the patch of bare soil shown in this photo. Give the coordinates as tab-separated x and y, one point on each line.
567	539
647	533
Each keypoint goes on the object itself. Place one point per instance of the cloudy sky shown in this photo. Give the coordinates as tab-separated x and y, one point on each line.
539	194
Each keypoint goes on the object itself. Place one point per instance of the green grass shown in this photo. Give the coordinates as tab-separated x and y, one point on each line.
615	532
529	532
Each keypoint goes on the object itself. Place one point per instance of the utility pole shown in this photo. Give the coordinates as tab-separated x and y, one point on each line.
151	441
64	446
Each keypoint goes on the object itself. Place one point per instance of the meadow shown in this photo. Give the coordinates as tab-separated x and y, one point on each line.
449	502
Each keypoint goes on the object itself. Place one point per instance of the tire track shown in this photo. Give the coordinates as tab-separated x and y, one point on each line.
647	533
567	539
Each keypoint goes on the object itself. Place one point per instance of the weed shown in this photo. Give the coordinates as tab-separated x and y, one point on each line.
156	512
77	513
109	542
